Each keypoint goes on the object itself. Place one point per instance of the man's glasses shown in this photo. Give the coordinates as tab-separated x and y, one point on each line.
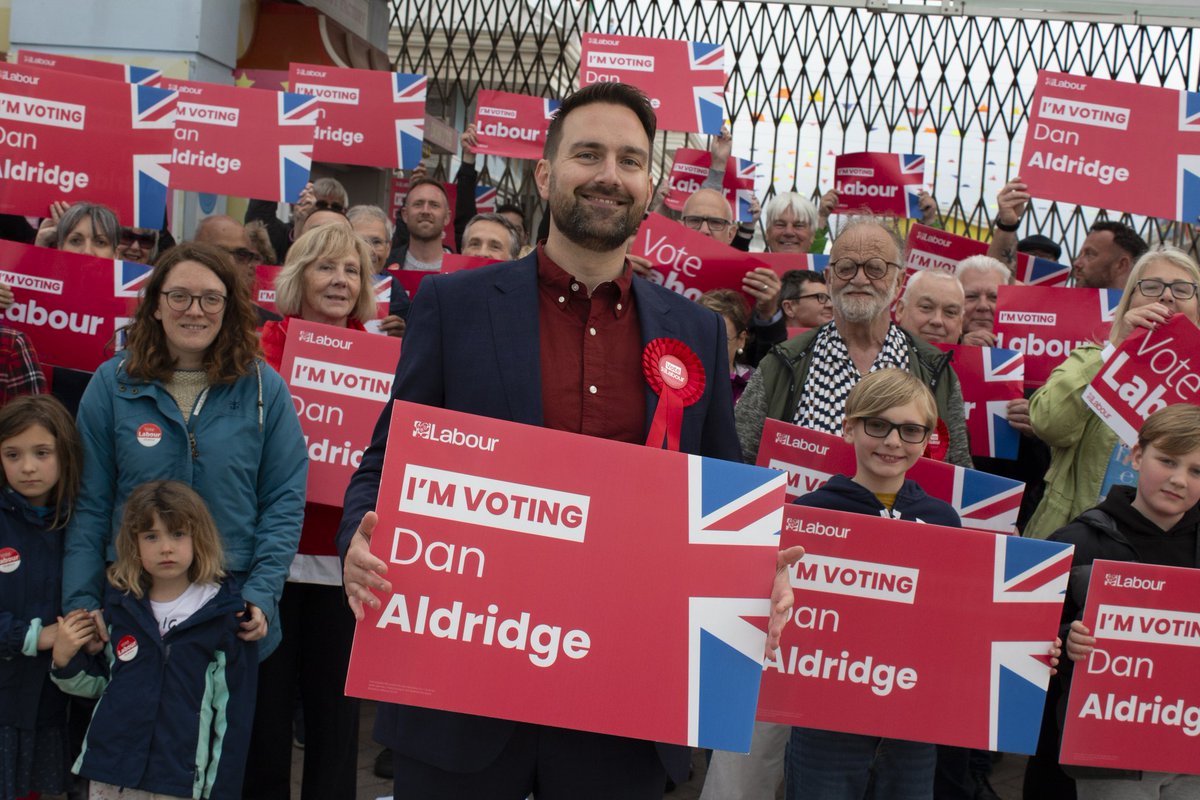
880	428
145	240
181	301
715	224
873	268
821	297
1180	290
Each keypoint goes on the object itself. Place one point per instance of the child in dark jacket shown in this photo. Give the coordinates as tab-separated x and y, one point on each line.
178	684
40	449
1156	522
889	417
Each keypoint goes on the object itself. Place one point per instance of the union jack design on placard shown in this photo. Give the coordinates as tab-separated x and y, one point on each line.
129	277
703	55
383	289
1189	188
550	107
295	165
731	503
1000	364
744	196
725	652
1003	440
151	175
912	164
1034	271
1189	112
986	501
297	109
485	198
710	108
1109	300
408	88
410	133
143	75
152	107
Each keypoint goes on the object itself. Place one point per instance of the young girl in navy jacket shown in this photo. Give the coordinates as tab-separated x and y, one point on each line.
176	683
40	450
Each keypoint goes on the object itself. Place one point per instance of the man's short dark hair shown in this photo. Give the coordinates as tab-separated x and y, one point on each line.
516	237
511	208
1124	237
792	282
619	94
427	182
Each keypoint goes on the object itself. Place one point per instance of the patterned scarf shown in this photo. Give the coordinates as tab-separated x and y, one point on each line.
832	375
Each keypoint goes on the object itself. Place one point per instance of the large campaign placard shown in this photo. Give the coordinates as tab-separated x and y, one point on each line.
69	137
241	142
512	125
598	586
687	261
340	380
689	170
785	262
932	248
915	631
685	81
990	377
368	117
1134	701
1046	323
108	70
1088	142
882	183
810	458
1150	370
69	305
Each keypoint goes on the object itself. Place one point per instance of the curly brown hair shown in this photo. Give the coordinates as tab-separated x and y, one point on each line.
232	353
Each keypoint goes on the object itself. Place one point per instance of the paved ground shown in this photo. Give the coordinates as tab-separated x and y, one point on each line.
1006	779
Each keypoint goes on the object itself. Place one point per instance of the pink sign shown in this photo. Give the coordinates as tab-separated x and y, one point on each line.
687	261
70	306
938	250
915	631
512	125
521	586
1047	323
690	169
241	142
685	81
1087	143
1150	370
57	125
340	380
1134	702
371	118
990	377
810	458
108	70
882	183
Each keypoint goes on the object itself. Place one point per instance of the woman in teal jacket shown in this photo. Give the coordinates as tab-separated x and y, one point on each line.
190	400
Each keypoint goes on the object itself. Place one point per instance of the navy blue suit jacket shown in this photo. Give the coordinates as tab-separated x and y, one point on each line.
472	345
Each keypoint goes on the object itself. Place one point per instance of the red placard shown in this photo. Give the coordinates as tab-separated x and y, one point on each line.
399	190
340	380
810	458
687	261
371	118
1134	702
1047	323
916	632
1151	370
242	142
264	286
69	305
990	377
685	81
1086	144
108	70
690	169
783	262
882	183
57	124
522	585
485	202
411	279
512	125
931	248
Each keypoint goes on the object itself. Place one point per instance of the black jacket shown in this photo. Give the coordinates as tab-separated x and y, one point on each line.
912	504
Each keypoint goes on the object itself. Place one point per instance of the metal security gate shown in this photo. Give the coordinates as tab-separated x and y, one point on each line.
810	81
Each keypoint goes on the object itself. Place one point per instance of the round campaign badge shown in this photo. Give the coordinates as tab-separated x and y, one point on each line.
676	375
10	559
127	648
149	434
673	371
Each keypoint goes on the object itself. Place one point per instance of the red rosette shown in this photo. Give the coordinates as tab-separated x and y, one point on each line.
676	375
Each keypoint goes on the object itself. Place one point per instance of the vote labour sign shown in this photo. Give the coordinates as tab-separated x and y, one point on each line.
687	261
1111	144
1150	370
685	81
340	380
882	183
990	377
1134	701
915	631
599	586
1046	323
367	117
69	305
73	137
94	68
690	169
810	458
512	125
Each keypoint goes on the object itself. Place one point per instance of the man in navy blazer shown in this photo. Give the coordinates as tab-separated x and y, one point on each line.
480	341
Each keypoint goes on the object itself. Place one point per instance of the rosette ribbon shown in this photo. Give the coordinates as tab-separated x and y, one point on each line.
676	375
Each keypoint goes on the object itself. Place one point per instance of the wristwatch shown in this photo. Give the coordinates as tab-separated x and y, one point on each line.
1001	226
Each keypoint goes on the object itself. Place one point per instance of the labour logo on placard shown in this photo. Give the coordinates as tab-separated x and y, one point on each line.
129	277
10	559
127	648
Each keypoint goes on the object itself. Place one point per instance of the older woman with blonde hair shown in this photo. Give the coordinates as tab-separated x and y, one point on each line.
326	279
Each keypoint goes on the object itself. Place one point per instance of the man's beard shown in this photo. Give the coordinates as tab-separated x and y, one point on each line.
433	236
587	228
860	309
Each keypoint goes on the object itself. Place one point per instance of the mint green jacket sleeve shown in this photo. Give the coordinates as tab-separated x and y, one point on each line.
1057	411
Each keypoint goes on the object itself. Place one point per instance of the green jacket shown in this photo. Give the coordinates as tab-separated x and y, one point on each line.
774	391
1080	443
